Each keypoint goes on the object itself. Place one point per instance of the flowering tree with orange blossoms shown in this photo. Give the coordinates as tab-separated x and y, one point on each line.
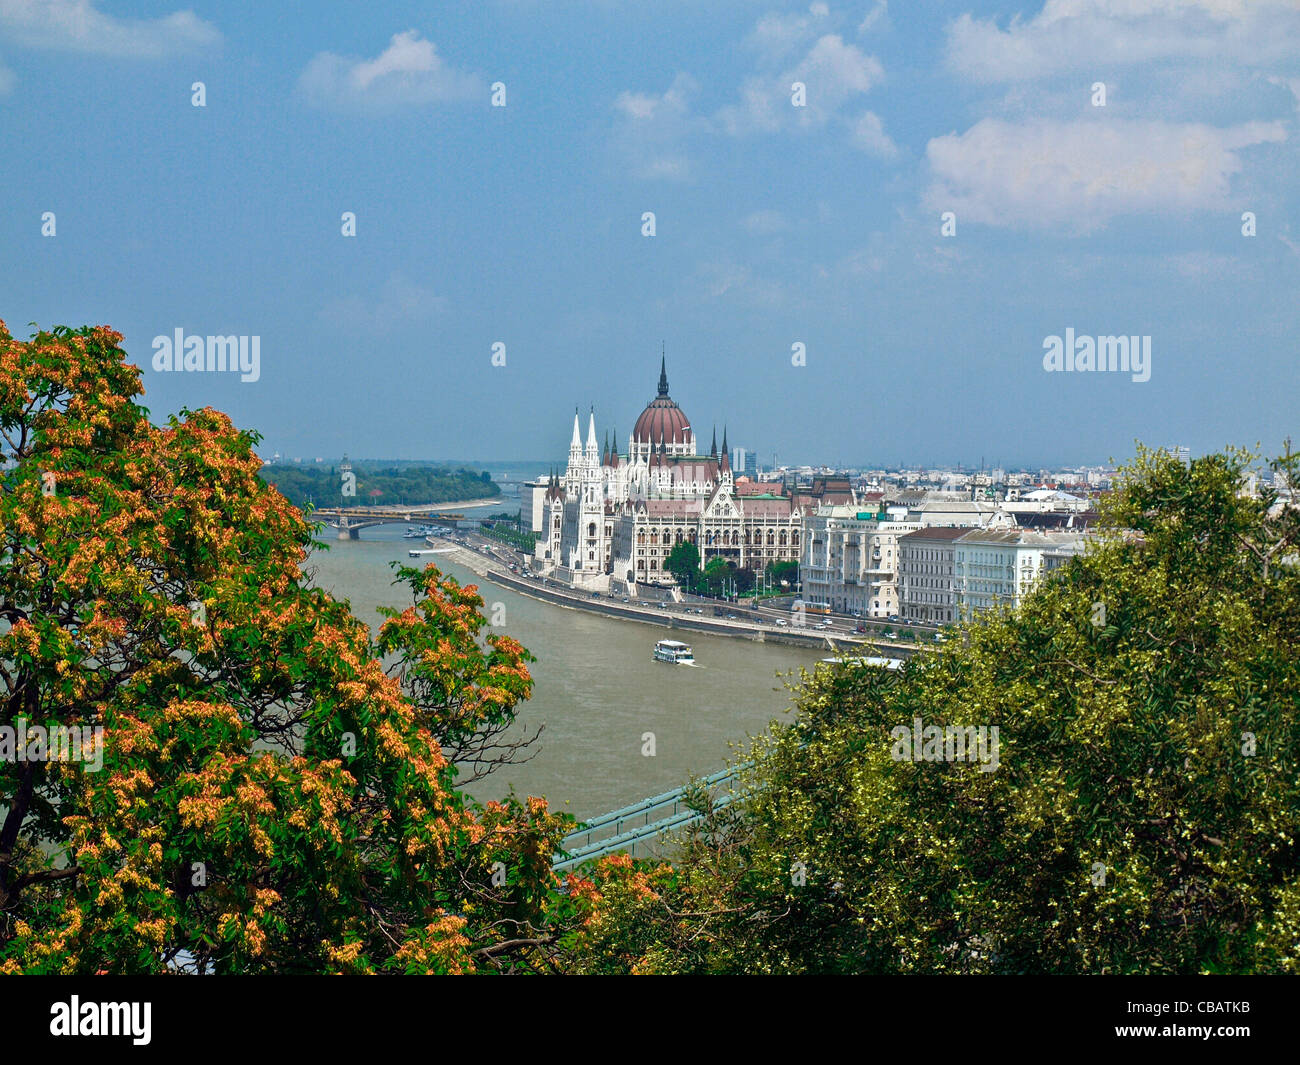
264	795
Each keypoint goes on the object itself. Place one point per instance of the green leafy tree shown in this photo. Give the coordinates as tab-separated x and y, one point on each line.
783	571
723	577
1142	813
257	785
683	562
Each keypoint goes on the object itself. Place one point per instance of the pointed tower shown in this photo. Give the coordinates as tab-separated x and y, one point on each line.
592	458
573	472
575	445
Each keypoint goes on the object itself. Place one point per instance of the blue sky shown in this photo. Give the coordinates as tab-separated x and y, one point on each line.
775	224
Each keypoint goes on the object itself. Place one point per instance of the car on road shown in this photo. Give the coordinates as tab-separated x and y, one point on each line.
783	623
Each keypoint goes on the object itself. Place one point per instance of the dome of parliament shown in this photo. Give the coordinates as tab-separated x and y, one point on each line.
662	419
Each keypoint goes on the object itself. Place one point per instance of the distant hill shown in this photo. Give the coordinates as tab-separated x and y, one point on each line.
380	484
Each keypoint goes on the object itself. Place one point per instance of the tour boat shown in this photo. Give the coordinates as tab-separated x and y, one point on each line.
674	651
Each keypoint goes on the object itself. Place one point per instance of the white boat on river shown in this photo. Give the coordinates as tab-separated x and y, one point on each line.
674	652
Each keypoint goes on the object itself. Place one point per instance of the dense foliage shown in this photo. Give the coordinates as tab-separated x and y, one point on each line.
683	562
721	577
783	571
270	791
392	485
1144	814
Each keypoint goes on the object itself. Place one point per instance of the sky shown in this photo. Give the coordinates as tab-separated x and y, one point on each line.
1101	166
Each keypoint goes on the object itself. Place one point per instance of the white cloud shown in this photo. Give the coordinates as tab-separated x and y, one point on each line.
833	73
1076	176
877	16
1073	35
76	25
409	72
650	131
869	135
776	37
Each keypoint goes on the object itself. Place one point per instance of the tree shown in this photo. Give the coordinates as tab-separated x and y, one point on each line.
263	794
783	571
722	577
683	562
1141	815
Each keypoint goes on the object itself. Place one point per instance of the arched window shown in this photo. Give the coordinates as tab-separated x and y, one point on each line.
654	536
591	528
640	537
783	538
653	564
771	538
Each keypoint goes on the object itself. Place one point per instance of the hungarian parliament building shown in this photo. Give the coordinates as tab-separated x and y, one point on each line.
611	520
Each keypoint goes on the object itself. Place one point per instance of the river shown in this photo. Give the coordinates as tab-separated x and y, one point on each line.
597	688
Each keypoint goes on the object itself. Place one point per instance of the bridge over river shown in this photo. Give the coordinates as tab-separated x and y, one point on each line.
351	520
643	822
